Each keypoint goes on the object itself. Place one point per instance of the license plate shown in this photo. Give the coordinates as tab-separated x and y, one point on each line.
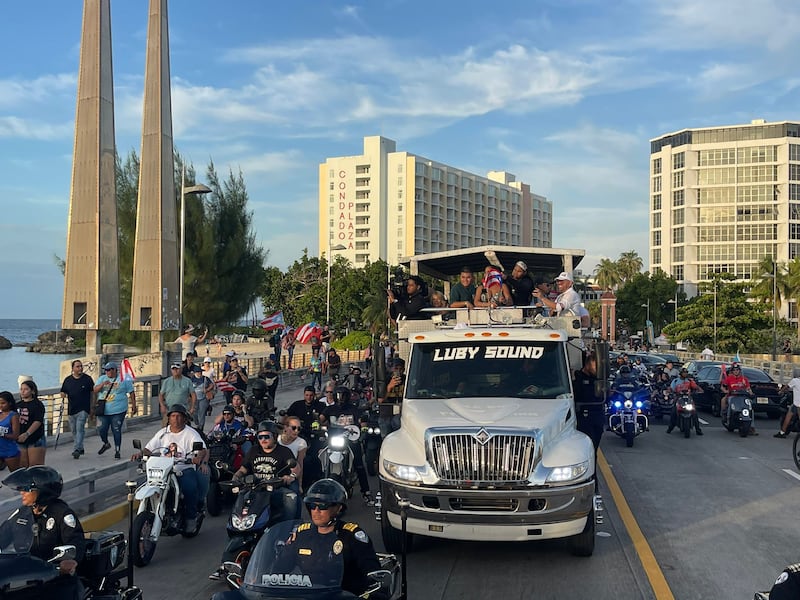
762	400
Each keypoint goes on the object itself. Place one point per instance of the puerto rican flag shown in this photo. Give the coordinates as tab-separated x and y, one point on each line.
274	321
126	370
224	386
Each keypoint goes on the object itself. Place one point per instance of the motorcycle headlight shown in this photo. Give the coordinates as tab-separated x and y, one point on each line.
639	404
243	523
405	473
745	412
338	442
617	404
688	406
628	403
569	473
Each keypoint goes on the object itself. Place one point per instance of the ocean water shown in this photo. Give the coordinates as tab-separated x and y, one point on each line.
15	361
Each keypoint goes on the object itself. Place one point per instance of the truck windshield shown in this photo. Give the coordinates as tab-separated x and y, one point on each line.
521	369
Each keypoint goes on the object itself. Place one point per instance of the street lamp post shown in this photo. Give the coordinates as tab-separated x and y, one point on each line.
336	248
774	310
675	302
715	315
647	321
194	189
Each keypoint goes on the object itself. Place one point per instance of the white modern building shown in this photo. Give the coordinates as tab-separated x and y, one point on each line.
722	198
385	204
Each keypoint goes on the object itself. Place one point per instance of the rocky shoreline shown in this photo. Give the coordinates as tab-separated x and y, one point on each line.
50	342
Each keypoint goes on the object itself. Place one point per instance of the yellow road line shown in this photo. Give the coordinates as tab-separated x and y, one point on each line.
654	574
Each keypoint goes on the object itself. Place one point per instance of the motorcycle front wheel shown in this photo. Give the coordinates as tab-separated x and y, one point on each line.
214	499
143	547
686	427
371	458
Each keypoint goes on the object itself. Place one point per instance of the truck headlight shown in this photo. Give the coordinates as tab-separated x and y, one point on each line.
569	473
407	473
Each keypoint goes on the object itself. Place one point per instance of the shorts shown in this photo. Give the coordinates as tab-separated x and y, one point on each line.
40	443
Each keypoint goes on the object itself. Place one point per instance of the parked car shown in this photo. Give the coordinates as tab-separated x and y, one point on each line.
648	360
694	366
766	394
669	357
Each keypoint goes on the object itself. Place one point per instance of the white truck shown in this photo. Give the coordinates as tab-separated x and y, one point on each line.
488	447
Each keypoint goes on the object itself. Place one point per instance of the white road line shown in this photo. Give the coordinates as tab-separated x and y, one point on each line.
703	421
792	473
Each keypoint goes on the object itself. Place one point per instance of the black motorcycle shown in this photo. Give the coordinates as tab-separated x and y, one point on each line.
739	414
371	440
687	413
251	515
662	401
225	457
23	576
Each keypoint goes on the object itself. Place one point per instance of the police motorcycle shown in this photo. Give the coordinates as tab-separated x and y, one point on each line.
161	504
684	404
336	456
739	414
252	514
629	403
275	572
225	457
24	576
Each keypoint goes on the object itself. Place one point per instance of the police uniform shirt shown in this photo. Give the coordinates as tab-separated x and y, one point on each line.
585	397
347	539
787	586
265	465
57	525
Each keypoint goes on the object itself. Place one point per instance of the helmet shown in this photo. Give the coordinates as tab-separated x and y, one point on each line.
326	490
624	370
342	394
238	392
229	409
45	480
179	408
259	387
270	426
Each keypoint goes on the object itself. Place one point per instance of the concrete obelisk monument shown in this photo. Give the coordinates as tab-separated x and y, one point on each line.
91	278
154	297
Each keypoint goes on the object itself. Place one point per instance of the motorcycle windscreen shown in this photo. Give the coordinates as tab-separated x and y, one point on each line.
294	560
16	532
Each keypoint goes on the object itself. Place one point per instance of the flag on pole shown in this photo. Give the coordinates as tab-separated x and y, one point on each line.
224	386
126	370
274	321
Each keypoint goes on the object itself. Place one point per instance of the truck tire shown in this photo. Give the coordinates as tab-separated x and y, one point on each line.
393	538
583	543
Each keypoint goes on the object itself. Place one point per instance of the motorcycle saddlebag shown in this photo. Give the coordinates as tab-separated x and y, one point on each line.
105	551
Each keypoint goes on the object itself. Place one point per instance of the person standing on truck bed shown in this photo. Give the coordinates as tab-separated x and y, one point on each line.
411	303
520	284
463	293
568	301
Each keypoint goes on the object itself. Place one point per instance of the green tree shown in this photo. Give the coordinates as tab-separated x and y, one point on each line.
607	274
629	265
633	297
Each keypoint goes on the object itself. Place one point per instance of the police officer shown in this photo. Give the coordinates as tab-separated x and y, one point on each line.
326	502
787	586
589	407
53	523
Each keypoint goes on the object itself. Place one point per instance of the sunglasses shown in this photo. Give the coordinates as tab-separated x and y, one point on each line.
264	436
293	427
318	505
329	392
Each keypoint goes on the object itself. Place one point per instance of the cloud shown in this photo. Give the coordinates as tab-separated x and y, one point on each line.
17	93
32	129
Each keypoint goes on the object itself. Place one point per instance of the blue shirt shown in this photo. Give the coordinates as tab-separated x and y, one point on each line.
117	396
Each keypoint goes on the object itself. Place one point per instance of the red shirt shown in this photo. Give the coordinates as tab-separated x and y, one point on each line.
736	383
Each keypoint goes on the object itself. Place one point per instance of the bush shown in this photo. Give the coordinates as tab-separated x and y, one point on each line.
356	340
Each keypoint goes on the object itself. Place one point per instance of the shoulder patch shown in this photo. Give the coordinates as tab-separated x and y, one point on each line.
304	526
350	526
361	536
782	578
69	520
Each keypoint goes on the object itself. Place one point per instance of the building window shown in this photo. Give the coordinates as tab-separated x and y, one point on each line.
711	158
330	185
656	184
330	174
678	272
794	172
757	173
656	166
678	198
678	161
794	152
399	207
362	258
656	220
717	176
360	170
677	216
757	154
362	206
656	201
677	235
717	195
362	220
677	254
794	191
400	167
362	181
330	198
362	245
656	238
656	256
677	179
794	251
794	231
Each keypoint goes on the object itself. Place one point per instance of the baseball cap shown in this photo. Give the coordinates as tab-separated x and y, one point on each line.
564	276
230	353
207	359
521	264
175	366
109	365
229	409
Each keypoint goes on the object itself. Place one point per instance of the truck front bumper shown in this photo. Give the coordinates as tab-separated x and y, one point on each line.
491	515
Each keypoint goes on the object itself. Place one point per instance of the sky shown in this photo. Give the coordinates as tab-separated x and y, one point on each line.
565	94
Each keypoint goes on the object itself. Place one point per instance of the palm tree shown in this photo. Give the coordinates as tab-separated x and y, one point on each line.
607	274
629	265
792	290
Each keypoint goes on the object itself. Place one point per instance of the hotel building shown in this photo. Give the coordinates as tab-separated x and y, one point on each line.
722	198
385	204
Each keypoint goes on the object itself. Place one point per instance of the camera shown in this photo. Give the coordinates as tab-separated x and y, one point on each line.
397	285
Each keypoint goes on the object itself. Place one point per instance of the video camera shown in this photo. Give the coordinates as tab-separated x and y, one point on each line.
397	285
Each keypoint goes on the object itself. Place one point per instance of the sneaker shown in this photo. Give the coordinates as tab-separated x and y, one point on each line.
669	429
367	497
216	575
104	447
76	454
780	435
82	451
699	432
116	455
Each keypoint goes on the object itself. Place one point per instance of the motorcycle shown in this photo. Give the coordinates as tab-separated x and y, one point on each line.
225	458
626	417
336	457
251	515
739	414
371	439
161	504
276	572
662	401
24	577
686	413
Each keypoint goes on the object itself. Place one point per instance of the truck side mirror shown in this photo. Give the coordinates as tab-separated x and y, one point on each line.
137	444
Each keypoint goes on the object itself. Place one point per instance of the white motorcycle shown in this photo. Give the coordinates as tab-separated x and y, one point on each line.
337	458
161	504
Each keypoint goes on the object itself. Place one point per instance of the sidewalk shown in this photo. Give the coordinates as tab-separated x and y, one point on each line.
94	466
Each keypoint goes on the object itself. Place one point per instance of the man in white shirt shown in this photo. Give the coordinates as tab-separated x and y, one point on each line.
568	302
794	385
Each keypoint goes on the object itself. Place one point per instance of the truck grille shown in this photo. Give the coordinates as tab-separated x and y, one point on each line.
482	457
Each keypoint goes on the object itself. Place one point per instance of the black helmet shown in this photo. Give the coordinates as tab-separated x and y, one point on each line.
624	370
229	409
270	426
238	392
45	480
258	384
342	394
327	491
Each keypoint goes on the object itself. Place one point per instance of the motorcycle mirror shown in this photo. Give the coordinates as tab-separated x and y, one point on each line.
67	552
249	479
197	446
291	463
232	568
137	444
